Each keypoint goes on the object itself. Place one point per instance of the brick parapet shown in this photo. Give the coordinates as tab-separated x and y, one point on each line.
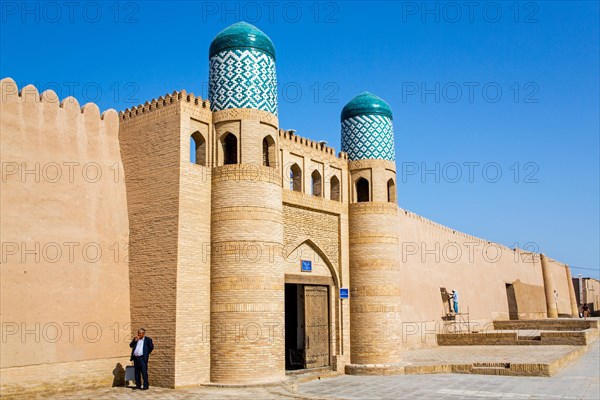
164	101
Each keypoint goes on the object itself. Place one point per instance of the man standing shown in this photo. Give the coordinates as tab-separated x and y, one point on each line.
141	346
585	311
455	300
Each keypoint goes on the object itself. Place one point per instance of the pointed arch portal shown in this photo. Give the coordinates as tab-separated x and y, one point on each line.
309	310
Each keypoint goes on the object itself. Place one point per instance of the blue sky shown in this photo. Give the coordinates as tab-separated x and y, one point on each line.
477	90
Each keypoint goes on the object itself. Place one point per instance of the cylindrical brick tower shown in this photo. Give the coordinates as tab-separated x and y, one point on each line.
549	288
247	276
376	333
572	298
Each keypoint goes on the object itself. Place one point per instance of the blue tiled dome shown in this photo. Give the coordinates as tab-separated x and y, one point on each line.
242	71
241	35
366	104
367	129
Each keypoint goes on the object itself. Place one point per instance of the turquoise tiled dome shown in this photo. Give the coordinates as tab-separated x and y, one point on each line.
242	70
367	129
241	35
366	104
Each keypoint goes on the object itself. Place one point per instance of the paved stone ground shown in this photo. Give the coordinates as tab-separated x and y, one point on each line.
155	393
578	380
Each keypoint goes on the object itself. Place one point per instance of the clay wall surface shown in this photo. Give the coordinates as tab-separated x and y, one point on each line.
64	277
435	256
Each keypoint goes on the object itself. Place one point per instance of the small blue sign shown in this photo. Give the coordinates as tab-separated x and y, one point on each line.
306	266
344	293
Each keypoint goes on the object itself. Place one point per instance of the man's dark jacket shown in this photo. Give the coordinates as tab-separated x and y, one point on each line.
148	347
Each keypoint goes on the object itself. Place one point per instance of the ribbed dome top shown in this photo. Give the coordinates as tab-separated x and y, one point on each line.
366	103
241	35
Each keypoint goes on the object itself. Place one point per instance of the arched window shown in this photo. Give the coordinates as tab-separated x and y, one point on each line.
391	187
268	151
334	188
197	149
362	190
230	149
295	178
316	184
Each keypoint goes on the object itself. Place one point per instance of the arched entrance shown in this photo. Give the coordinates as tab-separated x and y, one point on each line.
310	284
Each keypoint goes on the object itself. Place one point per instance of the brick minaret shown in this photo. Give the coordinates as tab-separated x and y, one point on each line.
247	277
367	137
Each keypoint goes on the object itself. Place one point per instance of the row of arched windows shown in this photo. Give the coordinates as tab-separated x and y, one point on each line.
316	183
229	146
363	191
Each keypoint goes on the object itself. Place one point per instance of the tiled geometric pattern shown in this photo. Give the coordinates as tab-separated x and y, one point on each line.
368	137
242	78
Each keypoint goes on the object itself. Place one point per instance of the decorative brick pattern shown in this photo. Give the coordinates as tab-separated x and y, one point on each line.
321	228
372	163
235	114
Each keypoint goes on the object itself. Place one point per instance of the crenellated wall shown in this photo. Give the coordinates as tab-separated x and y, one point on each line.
64	283
435	256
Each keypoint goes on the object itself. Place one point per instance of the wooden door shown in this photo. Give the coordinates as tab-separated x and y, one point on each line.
316	326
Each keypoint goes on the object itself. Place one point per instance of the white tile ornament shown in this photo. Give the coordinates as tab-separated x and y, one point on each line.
243	78
368	137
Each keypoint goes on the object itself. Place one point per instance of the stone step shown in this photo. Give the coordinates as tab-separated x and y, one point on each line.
547	324
530	338
307	375
525	342
491	365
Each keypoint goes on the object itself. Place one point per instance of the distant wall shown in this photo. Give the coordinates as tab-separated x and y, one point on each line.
434	256
588	293
561	285
592	294
64	282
